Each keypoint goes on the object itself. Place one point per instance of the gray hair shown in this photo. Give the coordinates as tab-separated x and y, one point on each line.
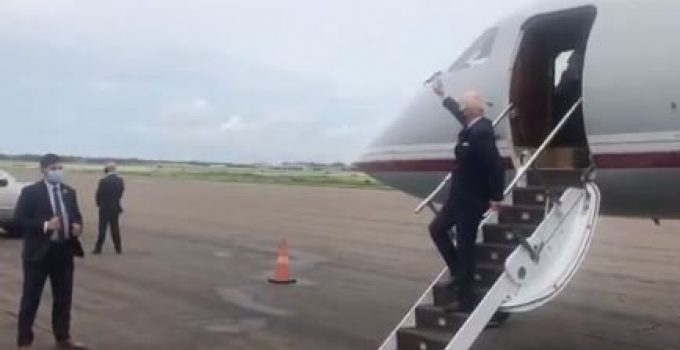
110	167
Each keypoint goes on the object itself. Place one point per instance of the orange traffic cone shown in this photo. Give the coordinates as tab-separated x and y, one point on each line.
282	272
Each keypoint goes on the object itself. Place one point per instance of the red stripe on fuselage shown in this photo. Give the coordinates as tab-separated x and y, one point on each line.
416	165
664	160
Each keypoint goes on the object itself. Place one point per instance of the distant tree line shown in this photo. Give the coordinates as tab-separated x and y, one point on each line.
136	161
77	159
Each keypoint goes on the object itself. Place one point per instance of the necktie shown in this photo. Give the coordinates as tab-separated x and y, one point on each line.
59	212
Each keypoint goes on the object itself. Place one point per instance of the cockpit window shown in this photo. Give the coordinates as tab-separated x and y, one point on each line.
478	52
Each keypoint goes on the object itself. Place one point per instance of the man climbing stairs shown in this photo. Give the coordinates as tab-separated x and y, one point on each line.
435	325
526	257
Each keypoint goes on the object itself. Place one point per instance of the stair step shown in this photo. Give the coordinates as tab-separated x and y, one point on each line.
555	177
521	215
507	233
434	317
423	339
493	252
535	196
445	295
486	274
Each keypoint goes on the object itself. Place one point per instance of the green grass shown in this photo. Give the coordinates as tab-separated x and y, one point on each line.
323	177
308	178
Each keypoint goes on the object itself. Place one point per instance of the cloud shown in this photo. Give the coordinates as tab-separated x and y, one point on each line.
341	130
277	132
200	103
255	80
235	123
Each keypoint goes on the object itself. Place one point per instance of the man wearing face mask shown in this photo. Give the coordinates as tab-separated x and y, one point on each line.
109	193
476	185
50	220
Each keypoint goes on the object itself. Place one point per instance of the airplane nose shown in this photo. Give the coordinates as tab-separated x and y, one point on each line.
423	121
416	149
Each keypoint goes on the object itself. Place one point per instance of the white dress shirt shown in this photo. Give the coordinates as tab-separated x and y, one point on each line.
64	220
470	124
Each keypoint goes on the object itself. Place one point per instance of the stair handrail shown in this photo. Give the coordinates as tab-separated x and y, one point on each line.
528	165
405	319
487	216
523	170
428	200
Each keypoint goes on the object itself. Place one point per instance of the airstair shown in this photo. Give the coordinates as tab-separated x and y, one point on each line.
526	253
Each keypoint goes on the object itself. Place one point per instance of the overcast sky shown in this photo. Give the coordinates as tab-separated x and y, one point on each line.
220	80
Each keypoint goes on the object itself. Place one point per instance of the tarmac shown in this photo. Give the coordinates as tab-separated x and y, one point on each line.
197	256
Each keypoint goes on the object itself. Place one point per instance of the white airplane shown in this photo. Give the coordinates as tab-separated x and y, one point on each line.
586	100
631	107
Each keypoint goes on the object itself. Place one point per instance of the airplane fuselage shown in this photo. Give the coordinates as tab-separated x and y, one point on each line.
631	103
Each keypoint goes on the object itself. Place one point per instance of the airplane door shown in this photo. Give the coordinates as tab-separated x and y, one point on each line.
547	81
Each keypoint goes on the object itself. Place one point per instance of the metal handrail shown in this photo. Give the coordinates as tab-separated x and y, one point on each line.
487	216
411	311
446	179
434	193
522	171
505	113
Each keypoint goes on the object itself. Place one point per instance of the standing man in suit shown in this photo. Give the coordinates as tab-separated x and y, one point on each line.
109	193
476	185
48	214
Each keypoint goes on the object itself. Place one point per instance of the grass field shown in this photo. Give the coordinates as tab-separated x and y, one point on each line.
331	177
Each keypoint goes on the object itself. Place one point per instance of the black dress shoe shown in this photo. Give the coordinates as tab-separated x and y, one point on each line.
71	345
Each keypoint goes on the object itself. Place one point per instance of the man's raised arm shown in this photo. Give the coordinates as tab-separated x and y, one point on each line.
448	102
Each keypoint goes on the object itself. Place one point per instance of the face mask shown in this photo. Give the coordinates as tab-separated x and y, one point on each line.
55	176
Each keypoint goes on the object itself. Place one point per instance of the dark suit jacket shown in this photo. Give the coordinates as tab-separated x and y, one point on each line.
479	175
109	193
34	209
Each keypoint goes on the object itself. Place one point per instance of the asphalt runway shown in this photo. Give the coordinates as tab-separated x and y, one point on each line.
197	256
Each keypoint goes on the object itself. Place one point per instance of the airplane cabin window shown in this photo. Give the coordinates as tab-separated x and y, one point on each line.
477	53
